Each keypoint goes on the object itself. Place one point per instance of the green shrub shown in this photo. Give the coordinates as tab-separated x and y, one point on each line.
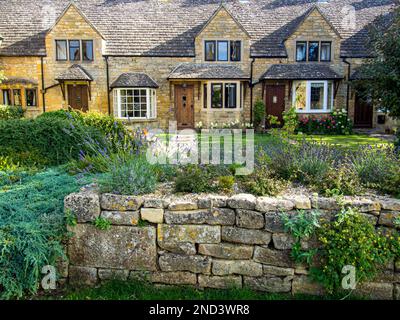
378	168
259	115
53	141
263	182
226	183
117	135
165	172
32	226
352	240
129	175
342	180
11	112
397	141
290	121
194	178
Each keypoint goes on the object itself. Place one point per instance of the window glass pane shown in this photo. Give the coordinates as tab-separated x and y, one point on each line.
216	95
6	97
61	49
31	98
313	50
87	50
235	50
325	51
330	95
301	96
222	50
210	50
317	96
17	97
74	50
205	95
301	51
230	95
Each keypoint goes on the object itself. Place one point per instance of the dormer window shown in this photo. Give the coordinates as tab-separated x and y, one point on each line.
74	50
313	51
222	50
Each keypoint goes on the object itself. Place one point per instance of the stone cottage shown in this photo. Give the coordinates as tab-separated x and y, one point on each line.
154	61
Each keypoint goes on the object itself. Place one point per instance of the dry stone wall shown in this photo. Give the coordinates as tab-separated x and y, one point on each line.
208	241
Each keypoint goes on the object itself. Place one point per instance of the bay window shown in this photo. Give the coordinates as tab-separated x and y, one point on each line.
313	96
222	95
135	103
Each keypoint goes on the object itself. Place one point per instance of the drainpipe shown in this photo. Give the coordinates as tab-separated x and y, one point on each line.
251	90
43	89
348	84
108	85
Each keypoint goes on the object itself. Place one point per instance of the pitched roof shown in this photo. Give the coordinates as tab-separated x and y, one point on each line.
168	28
359	74
134	80
298	71
18	80
207	71
75	72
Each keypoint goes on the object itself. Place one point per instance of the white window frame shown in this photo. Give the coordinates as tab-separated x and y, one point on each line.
151	103
326	107
239	105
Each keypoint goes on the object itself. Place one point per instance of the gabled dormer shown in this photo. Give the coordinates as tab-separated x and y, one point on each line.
73	38
314	39
222	39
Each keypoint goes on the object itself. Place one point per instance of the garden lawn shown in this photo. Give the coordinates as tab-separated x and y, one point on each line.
352	141
134	290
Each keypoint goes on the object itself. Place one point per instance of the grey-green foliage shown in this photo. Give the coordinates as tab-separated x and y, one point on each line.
301	226
32	226
130	175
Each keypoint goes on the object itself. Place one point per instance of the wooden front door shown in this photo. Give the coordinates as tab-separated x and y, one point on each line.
275	101
363	113
78	97
184	106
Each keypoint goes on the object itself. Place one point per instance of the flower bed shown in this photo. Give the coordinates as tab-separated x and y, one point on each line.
336	122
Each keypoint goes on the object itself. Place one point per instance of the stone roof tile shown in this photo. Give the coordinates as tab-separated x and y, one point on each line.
75	72
299	71
168	28
134	80
207	71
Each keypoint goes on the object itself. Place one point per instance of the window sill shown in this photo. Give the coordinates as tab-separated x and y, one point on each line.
313	111
223	109
137	119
